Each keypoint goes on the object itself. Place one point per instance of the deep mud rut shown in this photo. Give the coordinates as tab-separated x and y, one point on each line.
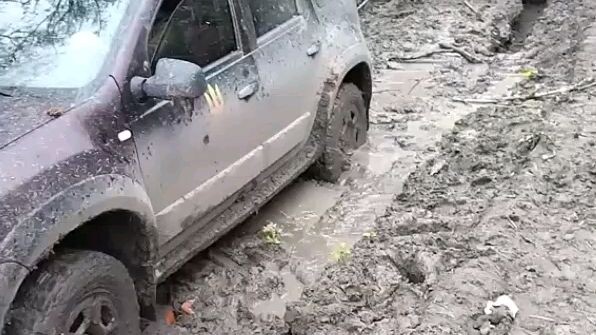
450	204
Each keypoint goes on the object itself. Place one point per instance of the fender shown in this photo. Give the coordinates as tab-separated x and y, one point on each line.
33	238
342	64
339	68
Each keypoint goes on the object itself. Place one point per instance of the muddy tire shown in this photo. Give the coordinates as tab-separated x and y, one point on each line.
76	292
346	131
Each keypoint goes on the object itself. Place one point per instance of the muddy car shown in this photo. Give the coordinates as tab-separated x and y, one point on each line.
135	133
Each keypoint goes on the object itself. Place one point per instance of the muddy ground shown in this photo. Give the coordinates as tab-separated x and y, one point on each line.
451	204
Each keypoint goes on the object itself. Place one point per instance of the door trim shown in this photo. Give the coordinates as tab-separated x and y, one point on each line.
187	210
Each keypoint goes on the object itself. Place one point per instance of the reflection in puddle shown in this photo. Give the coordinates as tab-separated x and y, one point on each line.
276	305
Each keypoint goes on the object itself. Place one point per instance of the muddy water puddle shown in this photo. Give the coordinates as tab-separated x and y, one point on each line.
318	218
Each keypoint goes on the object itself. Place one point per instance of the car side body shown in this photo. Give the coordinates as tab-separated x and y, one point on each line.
152	182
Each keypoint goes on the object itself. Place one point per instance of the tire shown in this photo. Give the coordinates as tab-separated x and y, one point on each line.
76	290
346	131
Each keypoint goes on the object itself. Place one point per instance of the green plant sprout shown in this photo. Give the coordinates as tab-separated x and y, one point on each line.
370	234
529	73
271	234
341	253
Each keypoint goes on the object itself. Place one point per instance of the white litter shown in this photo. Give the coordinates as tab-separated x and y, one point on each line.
503	300
124	135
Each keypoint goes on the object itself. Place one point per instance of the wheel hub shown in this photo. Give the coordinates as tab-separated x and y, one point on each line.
351	134
95	315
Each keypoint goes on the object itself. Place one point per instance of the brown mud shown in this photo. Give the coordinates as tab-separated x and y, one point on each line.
449	206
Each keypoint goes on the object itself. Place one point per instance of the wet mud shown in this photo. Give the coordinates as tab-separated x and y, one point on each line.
449	205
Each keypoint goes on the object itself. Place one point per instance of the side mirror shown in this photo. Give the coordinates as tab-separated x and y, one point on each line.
173	78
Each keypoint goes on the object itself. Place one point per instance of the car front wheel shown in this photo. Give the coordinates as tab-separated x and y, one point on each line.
76	292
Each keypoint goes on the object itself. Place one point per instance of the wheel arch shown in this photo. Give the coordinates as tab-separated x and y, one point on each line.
122	234
351	66
81	214
361	76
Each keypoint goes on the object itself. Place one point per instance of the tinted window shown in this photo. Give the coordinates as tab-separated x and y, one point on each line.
198	31
268	14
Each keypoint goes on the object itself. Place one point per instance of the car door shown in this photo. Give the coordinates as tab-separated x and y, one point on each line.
288	60
194	154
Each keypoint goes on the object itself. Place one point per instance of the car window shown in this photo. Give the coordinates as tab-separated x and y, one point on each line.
57	44
198	31
268	14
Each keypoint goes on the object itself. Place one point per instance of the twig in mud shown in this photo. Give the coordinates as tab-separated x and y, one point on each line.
445	312
478	100
473	9
362	4
422	61
415	57
550	156
418	81
543	318
386	90
581	86
466	55
288	217
590	320
526	239
403	13
469	5
511	223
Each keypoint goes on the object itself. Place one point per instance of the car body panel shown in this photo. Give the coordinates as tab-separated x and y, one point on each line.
34	237
172	142
175	218
24	115
51	179
289	81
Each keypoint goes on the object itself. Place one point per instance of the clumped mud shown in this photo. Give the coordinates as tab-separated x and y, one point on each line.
506	207
502	203
396	28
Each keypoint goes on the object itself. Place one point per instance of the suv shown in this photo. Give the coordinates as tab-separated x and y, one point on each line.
134	133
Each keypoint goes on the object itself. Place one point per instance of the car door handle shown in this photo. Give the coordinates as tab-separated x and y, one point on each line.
248	91
313	49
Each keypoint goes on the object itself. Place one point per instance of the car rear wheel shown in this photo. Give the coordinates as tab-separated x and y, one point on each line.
76	292
347	130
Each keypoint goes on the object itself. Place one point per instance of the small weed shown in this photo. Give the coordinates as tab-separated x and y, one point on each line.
370	234
341	253
271	234
529	73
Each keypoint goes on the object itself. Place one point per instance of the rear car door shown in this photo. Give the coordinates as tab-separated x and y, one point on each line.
195	154
288	60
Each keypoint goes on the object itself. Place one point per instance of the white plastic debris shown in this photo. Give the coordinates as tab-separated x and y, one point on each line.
503	300
124	135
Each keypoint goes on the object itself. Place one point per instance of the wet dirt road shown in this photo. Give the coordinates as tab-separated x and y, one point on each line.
449	205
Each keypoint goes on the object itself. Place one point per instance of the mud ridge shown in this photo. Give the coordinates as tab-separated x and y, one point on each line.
512	189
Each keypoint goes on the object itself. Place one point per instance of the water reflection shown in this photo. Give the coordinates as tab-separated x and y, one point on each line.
56	43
